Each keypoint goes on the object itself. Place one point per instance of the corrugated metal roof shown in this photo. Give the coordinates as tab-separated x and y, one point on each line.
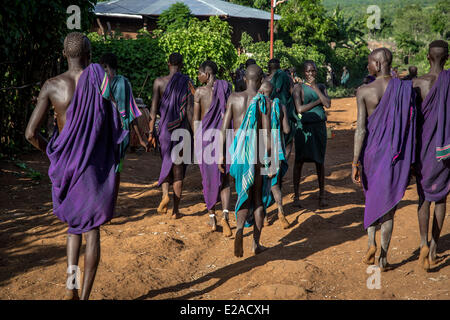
198	8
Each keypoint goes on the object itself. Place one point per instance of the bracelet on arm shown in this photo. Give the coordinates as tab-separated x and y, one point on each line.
356	164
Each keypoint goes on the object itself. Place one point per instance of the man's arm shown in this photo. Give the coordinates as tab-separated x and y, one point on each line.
298	101
142	142
284	120
154	111
32	133
197	110
360	134
226	124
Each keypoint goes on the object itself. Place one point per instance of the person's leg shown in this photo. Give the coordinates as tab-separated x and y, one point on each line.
438	222
73	254
178	172
423	215
296	179
91	260
369	258
276	191
212	219
165	198
116	193
258	212
387	225
320	168
239	238
225	195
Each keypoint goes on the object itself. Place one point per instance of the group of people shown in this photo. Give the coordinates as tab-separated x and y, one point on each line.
403	129
249	134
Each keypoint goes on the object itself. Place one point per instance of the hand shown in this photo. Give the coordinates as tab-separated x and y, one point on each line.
356	174
220	165
145	144
152	141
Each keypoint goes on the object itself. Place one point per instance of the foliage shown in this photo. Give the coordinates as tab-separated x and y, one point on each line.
347	34
440	19
32	34
340	92
175	18
307	22
288	56
200	41
140	60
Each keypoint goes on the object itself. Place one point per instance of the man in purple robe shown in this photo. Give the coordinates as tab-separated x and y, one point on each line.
384	143
209	109
172	99
83	154
433	148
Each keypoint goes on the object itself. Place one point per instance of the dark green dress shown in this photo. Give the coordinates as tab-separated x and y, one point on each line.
282	90
311	134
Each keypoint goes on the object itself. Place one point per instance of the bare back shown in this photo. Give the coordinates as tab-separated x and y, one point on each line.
60	90
423	85
372	93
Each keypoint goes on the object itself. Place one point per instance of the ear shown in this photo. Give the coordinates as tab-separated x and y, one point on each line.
64	53
378	64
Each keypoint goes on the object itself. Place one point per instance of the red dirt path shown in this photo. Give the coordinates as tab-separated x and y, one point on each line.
148	256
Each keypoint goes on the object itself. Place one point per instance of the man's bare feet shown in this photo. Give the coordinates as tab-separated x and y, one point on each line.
258	249
226	228
436	260
283	220
423	258
212	222
176	215
238	243
384	265
266	221
162	209
296	202
369	258
71	295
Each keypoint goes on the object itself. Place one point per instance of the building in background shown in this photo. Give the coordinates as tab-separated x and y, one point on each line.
129	16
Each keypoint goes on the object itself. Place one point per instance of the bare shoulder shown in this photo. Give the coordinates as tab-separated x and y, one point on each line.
365	90
424	80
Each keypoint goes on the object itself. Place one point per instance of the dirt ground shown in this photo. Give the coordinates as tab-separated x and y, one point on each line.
149	256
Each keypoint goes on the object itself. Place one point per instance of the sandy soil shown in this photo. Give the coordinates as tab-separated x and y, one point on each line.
149	256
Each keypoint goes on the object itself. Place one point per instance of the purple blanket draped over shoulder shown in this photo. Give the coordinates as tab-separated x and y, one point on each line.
207	141
173	111
84	155
388	151
433	141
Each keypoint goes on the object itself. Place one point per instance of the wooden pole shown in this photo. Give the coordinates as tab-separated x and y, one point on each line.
271	28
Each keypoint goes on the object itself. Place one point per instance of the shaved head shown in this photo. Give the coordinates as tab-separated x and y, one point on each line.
76	45
253	73
438	51
209	67
382	55
274	64
266	88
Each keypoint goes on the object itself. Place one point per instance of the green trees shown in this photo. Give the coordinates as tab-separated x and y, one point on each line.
202	40
175	18
306	22
32	34
440	19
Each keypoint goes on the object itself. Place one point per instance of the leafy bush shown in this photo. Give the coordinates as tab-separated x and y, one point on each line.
202	40
140	60
175	18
